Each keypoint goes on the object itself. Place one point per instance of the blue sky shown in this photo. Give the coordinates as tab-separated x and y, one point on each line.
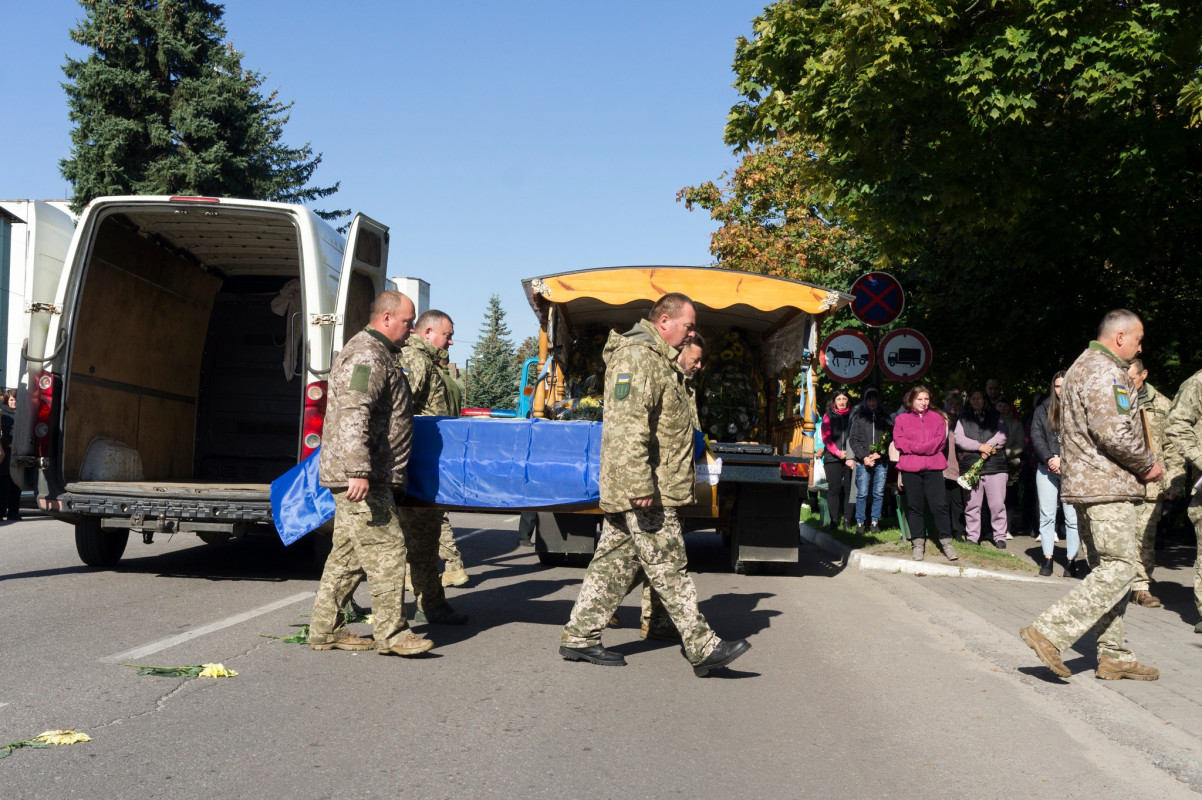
497	140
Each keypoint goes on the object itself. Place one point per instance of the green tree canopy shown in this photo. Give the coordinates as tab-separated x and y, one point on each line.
162	105
492	377
1023	167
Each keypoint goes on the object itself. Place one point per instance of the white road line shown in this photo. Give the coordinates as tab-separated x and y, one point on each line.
172	641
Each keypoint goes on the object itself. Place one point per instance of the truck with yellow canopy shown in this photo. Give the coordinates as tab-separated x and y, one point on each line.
755	393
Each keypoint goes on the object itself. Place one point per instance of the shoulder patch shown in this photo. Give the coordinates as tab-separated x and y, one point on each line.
360	376
1121	401
622	386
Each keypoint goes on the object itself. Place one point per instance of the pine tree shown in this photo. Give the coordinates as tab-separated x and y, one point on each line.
163	105
492	380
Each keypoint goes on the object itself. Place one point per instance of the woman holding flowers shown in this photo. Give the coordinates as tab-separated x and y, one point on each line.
837	458
920	435
981	434
1045	440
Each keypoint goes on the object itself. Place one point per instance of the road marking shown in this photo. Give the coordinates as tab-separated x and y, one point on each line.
484	530
172	641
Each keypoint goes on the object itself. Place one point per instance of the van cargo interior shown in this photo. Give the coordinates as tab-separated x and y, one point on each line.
177	352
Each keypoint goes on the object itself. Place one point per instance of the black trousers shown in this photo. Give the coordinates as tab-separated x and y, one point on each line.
839	481
926	487
955	507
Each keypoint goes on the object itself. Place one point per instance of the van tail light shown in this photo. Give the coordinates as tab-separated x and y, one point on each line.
795	471
42	395
314	419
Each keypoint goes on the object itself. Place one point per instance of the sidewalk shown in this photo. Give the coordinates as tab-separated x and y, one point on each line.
1162	718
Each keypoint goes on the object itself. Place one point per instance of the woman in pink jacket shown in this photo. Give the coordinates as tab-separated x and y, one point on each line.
920	434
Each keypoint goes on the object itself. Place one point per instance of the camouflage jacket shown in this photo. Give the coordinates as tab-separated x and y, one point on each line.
368	431
420	360
1157	406
1104	453
647	435
454	392
1183	427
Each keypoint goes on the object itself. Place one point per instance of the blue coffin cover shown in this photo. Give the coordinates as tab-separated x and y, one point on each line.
467	463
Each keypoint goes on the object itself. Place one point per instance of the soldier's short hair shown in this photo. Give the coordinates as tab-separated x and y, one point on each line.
1138	363
670	305
431	318
1116	321
388	301
696	339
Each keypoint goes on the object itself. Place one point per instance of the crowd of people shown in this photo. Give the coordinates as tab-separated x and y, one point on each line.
1098	462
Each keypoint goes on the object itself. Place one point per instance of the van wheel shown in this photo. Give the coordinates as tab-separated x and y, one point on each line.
214	537
96	546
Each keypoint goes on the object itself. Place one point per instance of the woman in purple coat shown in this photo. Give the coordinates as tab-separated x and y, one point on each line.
920	435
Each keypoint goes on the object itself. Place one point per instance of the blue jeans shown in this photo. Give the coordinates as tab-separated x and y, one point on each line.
1047	486
876	474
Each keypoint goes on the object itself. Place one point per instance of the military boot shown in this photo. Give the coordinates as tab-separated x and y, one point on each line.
1142	597
1112	670
919	549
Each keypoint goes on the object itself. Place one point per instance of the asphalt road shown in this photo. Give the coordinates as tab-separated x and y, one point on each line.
855	686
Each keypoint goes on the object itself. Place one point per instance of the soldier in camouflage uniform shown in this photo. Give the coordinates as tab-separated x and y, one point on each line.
368	435
423	526
1105	465
454	574
655	623
1184	432
646	474
1170	486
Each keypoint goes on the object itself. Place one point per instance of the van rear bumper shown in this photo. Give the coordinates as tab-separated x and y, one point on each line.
143	504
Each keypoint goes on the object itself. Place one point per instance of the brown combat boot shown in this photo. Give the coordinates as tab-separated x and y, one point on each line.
1048	653
1142	597
919	549
1111	670
348	642
454	577
408	645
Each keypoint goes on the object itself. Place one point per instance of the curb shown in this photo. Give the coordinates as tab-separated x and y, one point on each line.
867	561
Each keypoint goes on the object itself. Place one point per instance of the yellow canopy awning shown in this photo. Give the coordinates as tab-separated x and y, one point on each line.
618	296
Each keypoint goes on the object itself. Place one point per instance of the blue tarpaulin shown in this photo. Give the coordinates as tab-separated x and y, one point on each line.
467	463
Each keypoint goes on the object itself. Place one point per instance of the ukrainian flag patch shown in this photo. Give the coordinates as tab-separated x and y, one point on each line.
622	386
1121	401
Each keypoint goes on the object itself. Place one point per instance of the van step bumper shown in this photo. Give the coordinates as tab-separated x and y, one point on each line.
137	509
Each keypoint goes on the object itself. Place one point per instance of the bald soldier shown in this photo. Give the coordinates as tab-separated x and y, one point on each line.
646	474
423	526
1105	466
368	436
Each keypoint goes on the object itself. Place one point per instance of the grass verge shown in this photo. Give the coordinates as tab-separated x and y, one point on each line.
889	542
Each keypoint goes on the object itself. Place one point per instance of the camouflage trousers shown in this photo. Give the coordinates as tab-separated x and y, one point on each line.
422	527
652	614
1099	601
448	551
650	540
1195	516
1148	516
367	540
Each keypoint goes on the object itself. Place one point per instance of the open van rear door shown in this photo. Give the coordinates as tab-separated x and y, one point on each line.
364	265
49	231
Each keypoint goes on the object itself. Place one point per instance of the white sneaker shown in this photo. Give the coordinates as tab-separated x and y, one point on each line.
1009	535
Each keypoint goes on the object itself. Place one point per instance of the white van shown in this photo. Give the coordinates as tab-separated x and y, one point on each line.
181	364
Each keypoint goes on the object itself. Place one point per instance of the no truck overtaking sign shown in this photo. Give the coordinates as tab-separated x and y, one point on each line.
905	355
846	355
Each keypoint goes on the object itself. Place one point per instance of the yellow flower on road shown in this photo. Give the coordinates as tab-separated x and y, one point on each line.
216	671
62	737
